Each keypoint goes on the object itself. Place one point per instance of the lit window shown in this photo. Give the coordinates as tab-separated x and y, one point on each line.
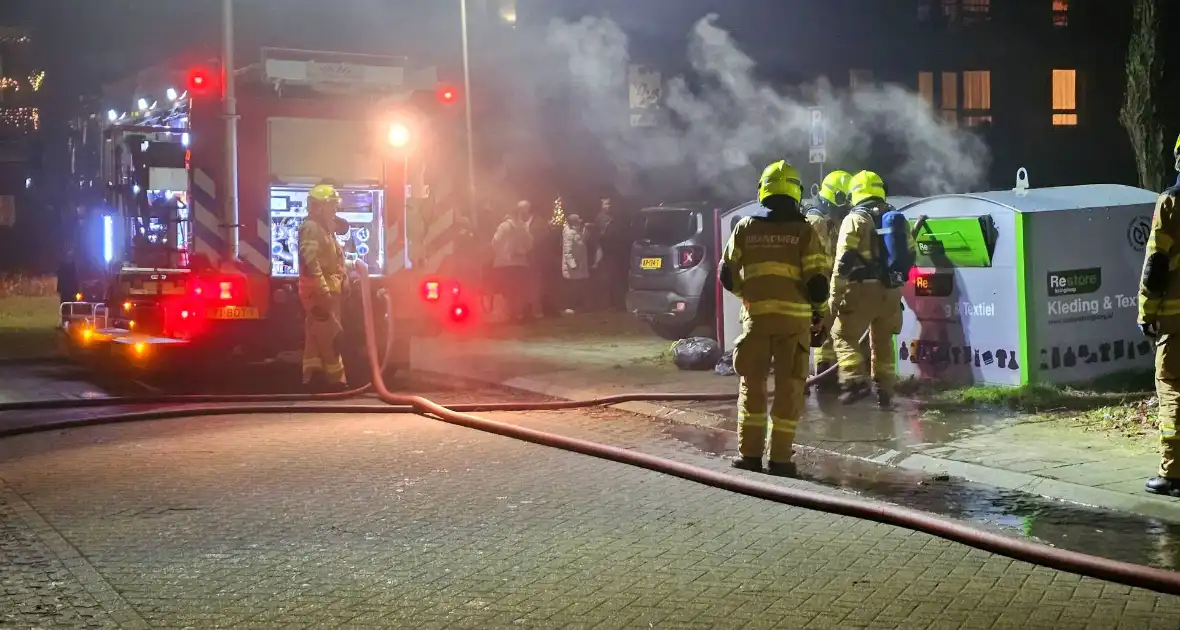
926	87
970	104
1065	98
859	78
950	97
977	97
1061	13
977	89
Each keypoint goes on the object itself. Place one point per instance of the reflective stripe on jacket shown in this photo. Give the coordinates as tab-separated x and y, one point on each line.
825	230
770	263
321	260
1156	306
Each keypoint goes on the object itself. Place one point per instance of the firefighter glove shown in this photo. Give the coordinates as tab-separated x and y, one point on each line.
1151	330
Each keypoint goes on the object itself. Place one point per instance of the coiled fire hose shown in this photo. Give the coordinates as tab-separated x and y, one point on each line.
1159	580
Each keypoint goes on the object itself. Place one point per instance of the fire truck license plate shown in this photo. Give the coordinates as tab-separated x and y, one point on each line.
233	312
651	263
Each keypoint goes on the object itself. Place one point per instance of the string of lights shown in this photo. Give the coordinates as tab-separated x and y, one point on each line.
558	218
35	81
20	119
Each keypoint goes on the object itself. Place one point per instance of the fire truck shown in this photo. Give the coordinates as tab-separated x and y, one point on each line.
185	282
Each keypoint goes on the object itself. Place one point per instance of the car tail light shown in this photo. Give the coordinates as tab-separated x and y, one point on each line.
689	256
459	312
431	291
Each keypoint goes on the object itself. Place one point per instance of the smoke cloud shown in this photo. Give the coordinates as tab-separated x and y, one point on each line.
721	125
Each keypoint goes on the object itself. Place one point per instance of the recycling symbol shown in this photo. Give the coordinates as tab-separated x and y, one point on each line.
1138	232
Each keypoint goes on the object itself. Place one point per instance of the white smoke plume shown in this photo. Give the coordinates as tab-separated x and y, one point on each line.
722	124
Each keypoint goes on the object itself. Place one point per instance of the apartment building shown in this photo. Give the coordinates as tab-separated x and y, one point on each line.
1041	80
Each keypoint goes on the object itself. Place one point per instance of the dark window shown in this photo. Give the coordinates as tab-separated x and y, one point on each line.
667	227
966	11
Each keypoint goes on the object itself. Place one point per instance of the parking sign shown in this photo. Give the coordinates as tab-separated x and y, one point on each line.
819	150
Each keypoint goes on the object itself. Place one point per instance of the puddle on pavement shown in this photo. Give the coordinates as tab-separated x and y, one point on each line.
1119	536
908	425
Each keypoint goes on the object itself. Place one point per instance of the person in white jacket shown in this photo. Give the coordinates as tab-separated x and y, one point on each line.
510	261
575	262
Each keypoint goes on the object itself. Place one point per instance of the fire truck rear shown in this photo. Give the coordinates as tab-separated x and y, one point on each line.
188	285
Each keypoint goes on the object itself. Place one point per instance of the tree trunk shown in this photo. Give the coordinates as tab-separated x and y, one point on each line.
1139	115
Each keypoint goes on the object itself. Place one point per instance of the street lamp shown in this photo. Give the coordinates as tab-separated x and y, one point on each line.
399	135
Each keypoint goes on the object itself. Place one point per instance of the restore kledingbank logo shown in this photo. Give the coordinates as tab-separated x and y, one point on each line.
1074	281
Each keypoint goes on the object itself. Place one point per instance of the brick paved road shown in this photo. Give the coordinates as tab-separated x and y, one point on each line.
405	522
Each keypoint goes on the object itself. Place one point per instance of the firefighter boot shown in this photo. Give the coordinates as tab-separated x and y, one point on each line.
854	392
1164	485
747	463
782	469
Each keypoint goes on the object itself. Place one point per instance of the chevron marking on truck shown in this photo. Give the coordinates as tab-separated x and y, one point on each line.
440	241
435	242
254	248
206	227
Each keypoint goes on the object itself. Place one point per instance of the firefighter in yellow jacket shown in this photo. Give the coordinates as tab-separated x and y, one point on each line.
859	300
775	265
1159	319
825	215
323	279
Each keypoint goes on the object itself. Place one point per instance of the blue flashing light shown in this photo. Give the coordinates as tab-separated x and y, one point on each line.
108	238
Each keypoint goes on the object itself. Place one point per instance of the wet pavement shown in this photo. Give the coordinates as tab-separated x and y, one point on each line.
43	379
839	440
345	521
1037	455
1119	536
827	423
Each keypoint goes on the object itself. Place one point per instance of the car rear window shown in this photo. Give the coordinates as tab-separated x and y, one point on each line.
667	227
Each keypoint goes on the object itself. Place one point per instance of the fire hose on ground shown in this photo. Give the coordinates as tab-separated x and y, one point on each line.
1159	580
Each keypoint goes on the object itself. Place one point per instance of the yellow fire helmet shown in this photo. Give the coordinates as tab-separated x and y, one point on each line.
324	192
1176	150
835	189
866	185
780	178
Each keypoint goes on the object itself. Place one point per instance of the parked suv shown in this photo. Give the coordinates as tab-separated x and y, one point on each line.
672	278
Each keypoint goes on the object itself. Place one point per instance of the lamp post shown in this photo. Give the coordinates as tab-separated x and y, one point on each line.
467	107
230	113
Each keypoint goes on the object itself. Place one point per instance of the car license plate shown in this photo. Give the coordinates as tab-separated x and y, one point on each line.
651	263
233	312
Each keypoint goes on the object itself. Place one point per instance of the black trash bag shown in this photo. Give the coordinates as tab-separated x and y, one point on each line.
696	353
724	365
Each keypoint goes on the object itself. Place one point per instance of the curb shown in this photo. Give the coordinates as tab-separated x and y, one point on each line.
1142	505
